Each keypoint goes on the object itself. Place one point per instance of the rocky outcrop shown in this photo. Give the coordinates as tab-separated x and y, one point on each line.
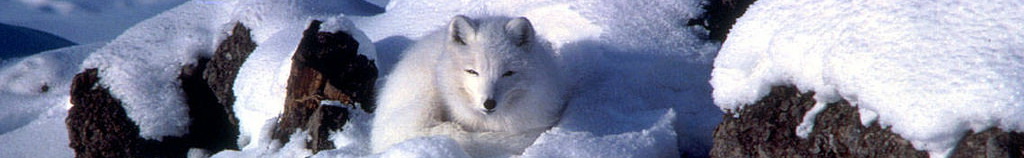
325	66
325	119
720	16
223	67
212	127
767	129
99	127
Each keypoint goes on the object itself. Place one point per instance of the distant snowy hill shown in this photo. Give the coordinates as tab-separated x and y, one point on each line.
20	41
81	21
34	101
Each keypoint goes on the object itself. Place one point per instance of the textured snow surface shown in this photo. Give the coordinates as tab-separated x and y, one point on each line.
434	146
141	66
932	70
650	142
32	120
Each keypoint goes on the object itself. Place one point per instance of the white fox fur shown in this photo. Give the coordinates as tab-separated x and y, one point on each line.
443	83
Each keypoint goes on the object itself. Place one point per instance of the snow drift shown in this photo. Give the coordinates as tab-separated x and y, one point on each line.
929	70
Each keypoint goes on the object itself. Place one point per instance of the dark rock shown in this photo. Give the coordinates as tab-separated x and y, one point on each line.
767	129
20	41
991	143
45	88
324	120
326	66
99	127
97	124
212	128
223	68
721	15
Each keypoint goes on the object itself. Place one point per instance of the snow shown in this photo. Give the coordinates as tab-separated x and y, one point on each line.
81	21
650	142
352	141
141	66
272	149
639	73
33	121
930	71
260	85
261	81
434	146
617	79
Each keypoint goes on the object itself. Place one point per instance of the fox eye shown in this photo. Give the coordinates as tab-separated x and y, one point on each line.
508	73
472	72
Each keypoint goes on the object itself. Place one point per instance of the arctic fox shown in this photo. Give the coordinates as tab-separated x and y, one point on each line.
488	83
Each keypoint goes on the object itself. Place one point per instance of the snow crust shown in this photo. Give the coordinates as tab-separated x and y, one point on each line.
32	120
931	71
649	142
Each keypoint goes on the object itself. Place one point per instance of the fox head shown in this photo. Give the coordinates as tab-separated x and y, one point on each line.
489	62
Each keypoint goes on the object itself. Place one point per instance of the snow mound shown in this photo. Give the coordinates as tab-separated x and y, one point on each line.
31	85
141	66
930	70
33	119
273	149
434	146
277	29
650	142
82	21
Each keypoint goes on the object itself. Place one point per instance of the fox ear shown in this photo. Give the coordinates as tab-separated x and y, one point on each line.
520	30
459	29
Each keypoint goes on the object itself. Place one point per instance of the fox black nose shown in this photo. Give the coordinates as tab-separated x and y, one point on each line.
489	104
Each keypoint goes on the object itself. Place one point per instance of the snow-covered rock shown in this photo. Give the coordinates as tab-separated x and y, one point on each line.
100	127
930	71
223	67
141	67
326	66
768	129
